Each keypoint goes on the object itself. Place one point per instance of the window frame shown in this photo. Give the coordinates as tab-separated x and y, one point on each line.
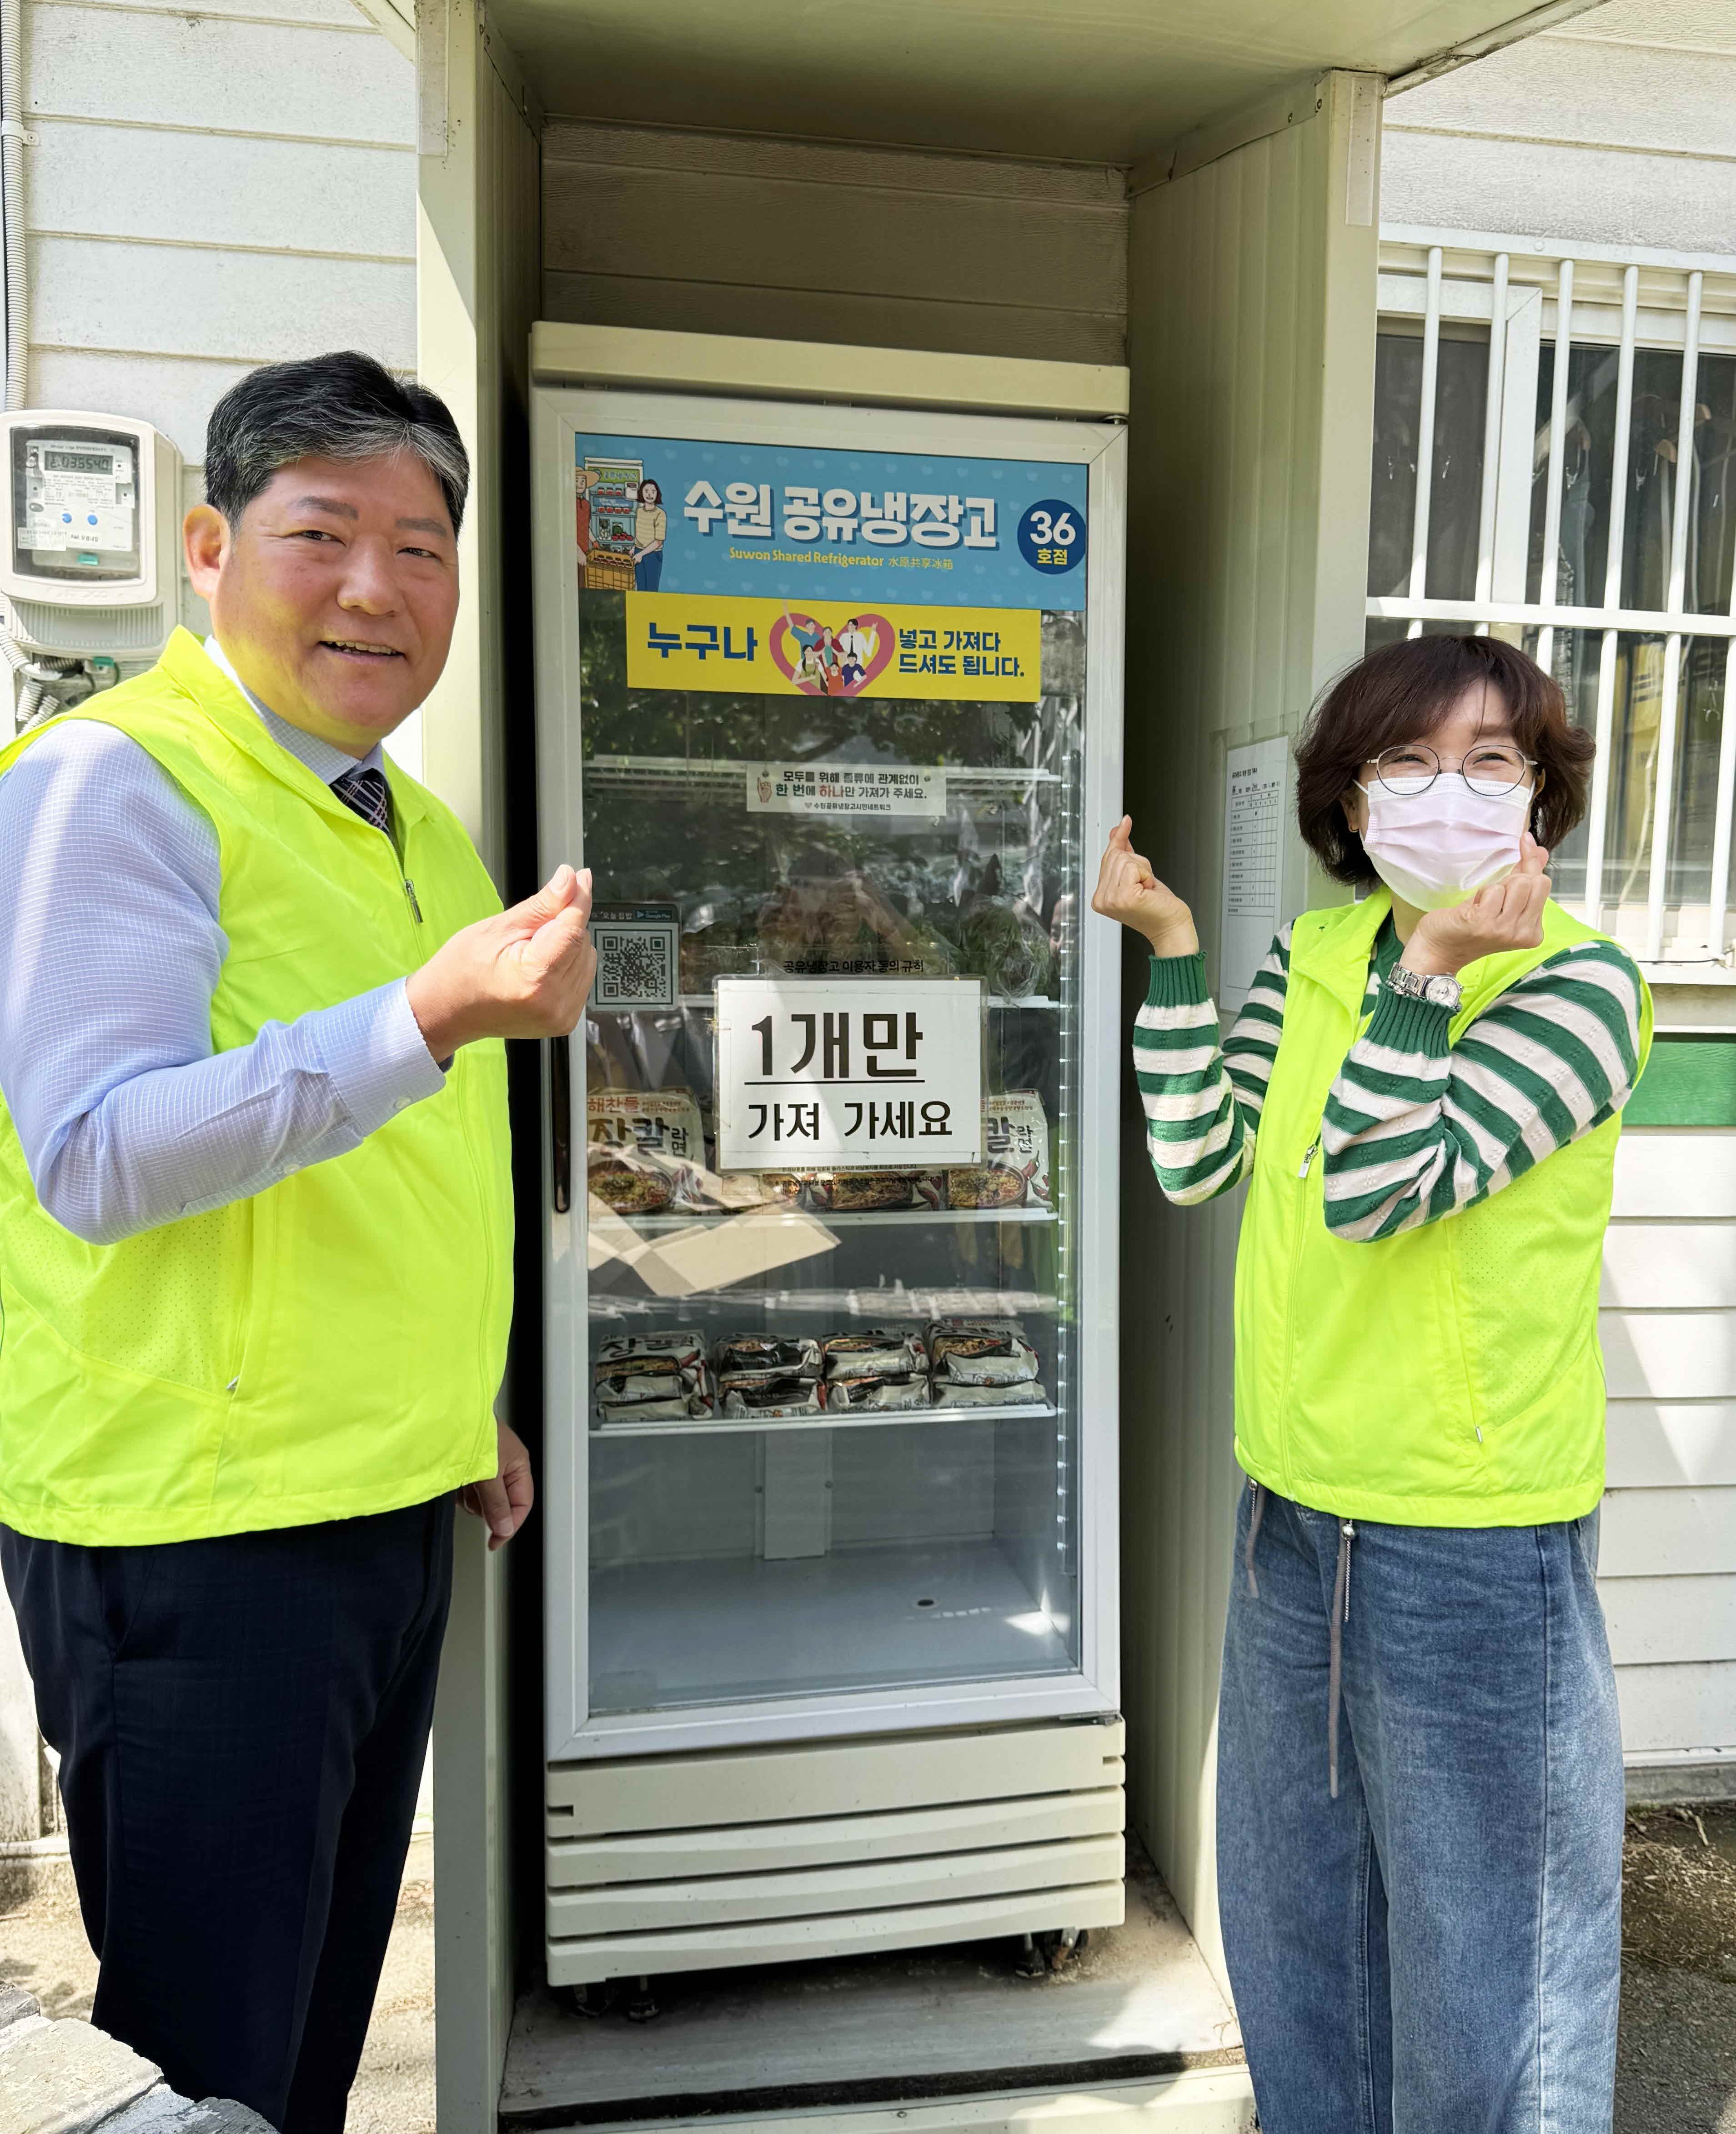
1525	294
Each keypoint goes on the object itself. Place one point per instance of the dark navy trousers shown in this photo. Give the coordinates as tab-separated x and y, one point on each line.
242	1724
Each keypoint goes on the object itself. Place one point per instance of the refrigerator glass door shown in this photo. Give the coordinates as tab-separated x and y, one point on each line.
823	723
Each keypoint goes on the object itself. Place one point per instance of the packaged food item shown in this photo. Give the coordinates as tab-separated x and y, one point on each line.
1007	945
858	1192
691	1401
875	1352
769	1352
733	1190
645	1150
1026	1392
773	1396
1014	1172
980	1352
908	1391
652	1377
685	1346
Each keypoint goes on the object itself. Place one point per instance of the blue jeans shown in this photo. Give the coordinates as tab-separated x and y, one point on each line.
1438	1950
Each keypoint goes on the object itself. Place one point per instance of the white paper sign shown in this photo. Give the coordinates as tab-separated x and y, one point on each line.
848	1073
845	788
1256	786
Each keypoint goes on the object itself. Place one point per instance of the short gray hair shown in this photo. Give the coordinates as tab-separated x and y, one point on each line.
344	406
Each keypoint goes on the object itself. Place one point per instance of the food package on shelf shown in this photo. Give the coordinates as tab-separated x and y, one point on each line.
875	1352
858	1192
799	1353
908	1390
653	1378
1005	943
772	1396
980	1352
1026	1393
734	1191
1014	1172
697	1407
645	1150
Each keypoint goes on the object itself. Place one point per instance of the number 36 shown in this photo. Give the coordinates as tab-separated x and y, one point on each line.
1063	532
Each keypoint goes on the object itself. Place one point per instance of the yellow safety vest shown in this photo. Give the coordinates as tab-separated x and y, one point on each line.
1450	1375
332	1346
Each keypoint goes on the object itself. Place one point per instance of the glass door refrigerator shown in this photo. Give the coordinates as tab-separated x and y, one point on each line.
829	700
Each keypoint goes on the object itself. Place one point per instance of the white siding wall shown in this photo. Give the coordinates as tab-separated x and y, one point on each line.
1669	1540
212	187
1619	128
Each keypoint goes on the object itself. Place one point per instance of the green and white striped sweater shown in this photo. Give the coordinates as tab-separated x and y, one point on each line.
1416	1127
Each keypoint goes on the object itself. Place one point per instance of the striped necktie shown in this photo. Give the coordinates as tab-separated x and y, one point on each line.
364	790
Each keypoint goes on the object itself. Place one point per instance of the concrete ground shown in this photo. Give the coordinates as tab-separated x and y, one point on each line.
42	1948
1677	2071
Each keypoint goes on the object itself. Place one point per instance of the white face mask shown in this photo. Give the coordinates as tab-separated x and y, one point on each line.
1435	848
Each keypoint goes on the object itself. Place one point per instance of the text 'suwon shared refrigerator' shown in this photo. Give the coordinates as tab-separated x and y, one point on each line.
828	699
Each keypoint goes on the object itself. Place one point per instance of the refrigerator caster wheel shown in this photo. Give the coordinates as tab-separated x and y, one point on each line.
1029	1963
594	1999
642	2005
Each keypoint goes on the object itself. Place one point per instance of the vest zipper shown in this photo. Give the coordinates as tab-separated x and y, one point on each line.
1308	1156
409	891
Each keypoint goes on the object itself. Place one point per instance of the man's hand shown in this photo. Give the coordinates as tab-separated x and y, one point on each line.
1128	892
504	1502
526	973
1505	916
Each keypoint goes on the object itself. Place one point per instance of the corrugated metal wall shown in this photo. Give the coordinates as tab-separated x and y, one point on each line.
1251	323
212	187
717	233
479	240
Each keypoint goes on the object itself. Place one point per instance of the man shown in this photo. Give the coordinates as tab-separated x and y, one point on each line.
255	1239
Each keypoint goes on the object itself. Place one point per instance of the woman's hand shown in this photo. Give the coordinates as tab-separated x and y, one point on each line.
1129	892
1505	916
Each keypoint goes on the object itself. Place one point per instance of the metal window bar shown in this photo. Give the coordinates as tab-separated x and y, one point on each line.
1549	583
1492	433
1663	783
1597	828
1425	436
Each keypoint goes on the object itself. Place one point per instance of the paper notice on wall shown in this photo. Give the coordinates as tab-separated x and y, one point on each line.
1256	784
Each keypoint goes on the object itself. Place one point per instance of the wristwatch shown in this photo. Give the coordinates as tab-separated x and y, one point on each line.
1413	985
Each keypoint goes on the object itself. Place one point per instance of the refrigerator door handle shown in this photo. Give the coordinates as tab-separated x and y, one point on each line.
560	1121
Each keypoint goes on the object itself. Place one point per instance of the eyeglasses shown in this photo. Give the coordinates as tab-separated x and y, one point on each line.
1490	768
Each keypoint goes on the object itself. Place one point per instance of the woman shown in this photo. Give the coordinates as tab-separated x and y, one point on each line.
650	528
1419	1797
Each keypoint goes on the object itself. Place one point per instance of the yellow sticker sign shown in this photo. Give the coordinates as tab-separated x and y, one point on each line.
773	648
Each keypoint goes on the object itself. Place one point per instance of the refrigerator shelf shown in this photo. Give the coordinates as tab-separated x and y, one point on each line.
844	1419
841	1219
724	776
706	1000
877	1305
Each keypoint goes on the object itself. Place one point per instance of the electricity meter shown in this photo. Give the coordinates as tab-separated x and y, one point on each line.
90	563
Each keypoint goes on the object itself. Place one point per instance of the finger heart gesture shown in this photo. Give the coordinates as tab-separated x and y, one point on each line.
1505	916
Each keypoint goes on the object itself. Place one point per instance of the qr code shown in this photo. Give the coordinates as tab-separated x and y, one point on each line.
635	965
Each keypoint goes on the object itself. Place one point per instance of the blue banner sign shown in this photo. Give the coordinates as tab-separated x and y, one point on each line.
780	522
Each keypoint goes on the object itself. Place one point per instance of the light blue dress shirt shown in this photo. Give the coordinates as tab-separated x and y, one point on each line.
109	953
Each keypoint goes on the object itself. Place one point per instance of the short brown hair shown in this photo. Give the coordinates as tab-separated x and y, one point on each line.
1404	692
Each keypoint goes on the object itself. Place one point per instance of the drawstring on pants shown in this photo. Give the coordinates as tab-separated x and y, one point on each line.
1335	1680
1257	1512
